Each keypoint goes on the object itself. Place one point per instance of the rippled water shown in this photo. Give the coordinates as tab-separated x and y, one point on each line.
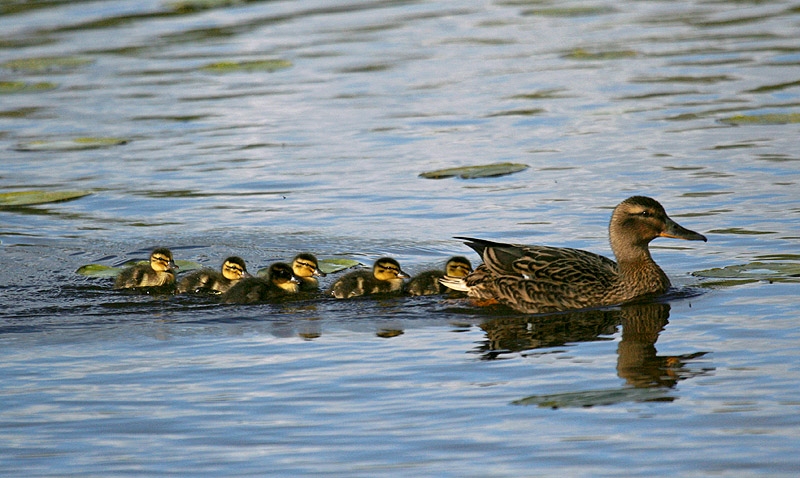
266	128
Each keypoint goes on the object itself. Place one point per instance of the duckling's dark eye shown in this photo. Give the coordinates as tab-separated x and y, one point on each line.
645	214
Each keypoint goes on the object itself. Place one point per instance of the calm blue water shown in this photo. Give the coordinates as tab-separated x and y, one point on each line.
693	103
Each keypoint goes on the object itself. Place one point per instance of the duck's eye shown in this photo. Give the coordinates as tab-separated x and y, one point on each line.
645	214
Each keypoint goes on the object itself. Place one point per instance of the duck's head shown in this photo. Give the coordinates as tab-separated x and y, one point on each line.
458	266
161	260
305	265
387	268
282	276
233	268
638	220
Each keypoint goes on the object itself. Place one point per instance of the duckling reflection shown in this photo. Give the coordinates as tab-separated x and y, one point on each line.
427	283
212	282
386	277
306	268
638	363
279	283
159	272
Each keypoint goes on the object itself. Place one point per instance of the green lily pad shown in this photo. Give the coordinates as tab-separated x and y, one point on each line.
329	266
765	119
31	198
752	272
581	54
591	398
76	144
103	271
46	63
246	66
473	172
8	87
98	270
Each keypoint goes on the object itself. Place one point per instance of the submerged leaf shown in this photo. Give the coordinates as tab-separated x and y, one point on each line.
473	172
7	87
46	63
591	398
765	119
31	198
70	144
249	66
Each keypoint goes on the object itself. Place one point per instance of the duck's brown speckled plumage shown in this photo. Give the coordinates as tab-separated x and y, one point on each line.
210	281
159	272
542	279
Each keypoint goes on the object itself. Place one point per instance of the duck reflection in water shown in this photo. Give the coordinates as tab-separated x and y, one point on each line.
638	361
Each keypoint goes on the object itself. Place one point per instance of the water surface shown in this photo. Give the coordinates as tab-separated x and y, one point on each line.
263	129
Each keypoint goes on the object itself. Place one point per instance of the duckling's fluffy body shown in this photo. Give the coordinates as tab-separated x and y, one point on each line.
212	282
306	268
427	283
280	282
159	272
386	277
542	279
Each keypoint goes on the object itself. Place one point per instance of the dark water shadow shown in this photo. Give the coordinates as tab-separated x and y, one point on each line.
647	375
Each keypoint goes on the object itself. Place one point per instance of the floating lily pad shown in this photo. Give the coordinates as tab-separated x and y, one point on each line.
98	270
752	272
581	54
46	63
70	144
329	266
473	172
765	119
190	6
103	271
8	87
591	398
31	198
247	66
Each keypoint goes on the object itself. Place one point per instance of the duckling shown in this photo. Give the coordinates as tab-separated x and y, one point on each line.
306	268
280	282
158	273
427	283
386	277
542	279
210	281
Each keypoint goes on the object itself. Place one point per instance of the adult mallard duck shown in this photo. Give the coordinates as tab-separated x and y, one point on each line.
210	281
386	277
306	268
427	283
159	272
280	282
542	279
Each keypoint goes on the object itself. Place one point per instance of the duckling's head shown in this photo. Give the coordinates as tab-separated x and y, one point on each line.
233	268
387	268
305	265
282	276
458	266
161	260
638	220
